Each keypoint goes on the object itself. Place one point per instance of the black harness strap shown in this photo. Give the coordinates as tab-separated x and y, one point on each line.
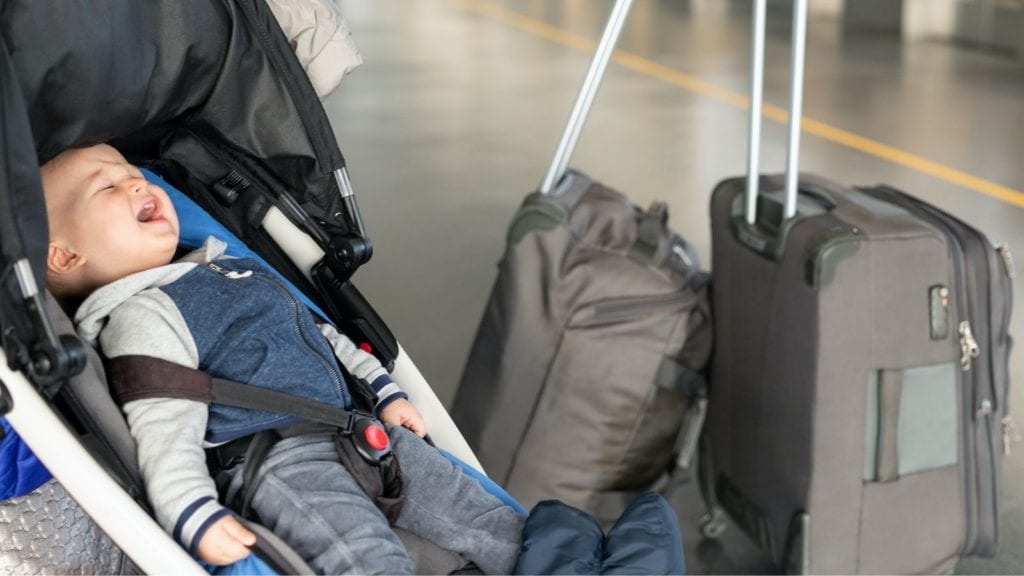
231	393
383	483
134	377
260	444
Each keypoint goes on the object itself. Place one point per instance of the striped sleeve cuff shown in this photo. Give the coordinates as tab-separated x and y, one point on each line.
195	520
387	391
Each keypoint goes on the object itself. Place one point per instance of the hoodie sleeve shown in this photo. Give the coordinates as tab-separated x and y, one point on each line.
169	432
364	366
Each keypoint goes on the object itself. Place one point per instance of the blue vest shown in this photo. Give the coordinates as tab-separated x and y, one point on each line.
249	328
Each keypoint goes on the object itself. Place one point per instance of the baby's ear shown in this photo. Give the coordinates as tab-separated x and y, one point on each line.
61	259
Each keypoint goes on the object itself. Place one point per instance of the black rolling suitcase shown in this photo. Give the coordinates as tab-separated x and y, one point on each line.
593	342
858	399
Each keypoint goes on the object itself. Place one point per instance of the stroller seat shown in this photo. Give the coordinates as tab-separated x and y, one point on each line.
71	542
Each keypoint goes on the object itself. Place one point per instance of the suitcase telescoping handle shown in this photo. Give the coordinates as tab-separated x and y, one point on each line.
592	81
796	82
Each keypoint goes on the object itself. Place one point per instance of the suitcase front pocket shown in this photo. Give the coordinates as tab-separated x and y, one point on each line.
911	479
912	422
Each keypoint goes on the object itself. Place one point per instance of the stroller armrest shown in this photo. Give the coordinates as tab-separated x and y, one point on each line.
440	425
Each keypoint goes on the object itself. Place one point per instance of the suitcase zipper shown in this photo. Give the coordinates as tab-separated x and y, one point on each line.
1010	432
997	334
1004	252
982	405
968	347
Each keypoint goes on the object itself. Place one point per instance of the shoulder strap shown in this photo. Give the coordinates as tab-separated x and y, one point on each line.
231	393
137	377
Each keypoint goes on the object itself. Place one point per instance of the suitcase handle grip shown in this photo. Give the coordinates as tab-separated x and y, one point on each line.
767	236
795	108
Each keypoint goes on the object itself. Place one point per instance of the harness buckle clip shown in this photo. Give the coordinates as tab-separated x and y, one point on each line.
371	440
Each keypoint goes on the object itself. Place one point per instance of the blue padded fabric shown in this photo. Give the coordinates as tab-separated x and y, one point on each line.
20	471
250	565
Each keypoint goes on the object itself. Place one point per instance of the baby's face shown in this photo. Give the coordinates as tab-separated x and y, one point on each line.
102	209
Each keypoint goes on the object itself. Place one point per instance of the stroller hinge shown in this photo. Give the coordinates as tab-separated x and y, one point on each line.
347	252
29	339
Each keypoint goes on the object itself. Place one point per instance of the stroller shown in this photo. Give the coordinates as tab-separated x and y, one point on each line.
213	86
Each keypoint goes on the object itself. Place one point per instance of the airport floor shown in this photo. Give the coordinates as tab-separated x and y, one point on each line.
459	105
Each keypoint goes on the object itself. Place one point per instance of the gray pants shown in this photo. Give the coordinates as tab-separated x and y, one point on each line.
306	497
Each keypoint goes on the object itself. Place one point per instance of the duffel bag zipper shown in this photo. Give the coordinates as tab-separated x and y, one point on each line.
613	309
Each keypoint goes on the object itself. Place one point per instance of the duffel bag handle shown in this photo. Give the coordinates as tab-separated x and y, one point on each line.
592	81
796	81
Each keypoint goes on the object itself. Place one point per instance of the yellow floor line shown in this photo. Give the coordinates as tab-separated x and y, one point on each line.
696	85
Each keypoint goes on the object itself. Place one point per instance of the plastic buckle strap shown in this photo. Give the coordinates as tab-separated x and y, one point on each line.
377	472
228	455
256	452
651	227
370	440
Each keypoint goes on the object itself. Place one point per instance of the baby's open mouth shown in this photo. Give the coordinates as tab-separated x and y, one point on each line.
150	211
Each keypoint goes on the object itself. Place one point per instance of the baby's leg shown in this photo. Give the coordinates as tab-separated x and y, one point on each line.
305	496
452	510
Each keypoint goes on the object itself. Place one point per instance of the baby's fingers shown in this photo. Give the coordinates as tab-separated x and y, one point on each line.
239	532
226	541
415	423
231	551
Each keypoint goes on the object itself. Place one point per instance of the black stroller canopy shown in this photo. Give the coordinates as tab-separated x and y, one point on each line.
94	72
163	79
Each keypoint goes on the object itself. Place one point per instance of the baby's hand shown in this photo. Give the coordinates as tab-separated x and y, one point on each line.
401	412
226	541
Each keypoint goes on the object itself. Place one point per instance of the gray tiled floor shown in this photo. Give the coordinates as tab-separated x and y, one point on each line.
459	105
